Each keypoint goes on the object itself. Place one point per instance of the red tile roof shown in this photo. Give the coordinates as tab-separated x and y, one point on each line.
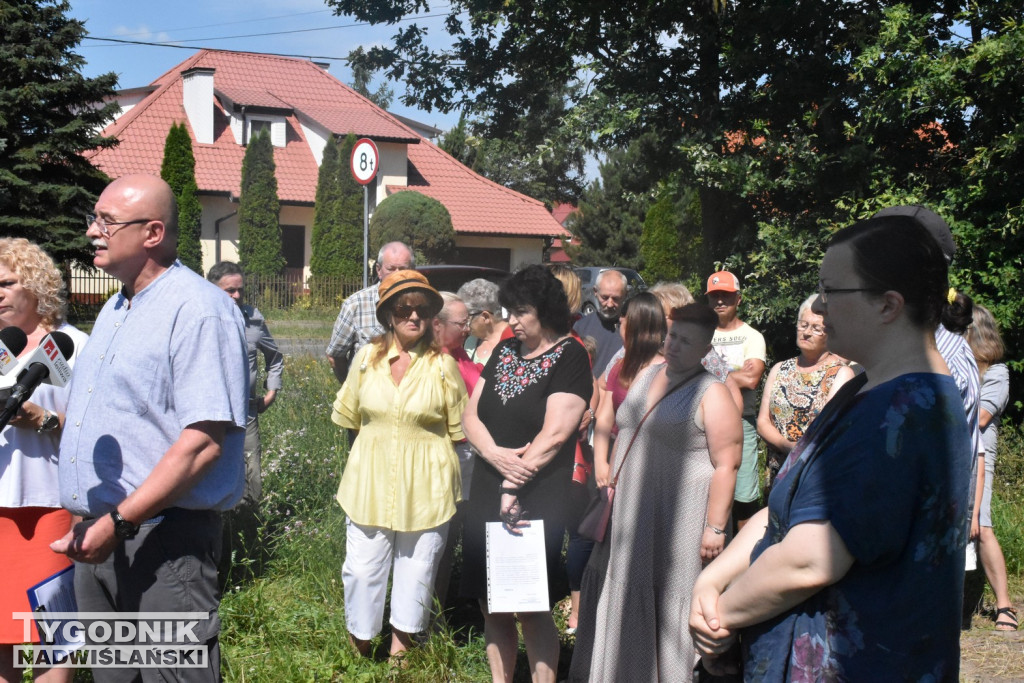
477	205
562	211
250	96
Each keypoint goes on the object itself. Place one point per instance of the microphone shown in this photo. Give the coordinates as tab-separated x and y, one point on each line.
12	342
47	363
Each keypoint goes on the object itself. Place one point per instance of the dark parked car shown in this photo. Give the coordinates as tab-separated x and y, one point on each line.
588	277
445	278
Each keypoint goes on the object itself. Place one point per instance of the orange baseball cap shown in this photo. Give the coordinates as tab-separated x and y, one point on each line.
723	281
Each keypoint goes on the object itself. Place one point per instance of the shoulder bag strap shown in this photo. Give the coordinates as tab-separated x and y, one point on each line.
650	410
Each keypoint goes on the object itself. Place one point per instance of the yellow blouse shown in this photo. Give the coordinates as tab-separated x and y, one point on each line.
402	471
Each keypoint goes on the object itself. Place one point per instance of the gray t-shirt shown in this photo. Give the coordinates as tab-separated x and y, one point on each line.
995	393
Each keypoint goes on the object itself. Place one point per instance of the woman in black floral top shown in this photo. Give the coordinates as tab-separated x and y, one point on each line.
521	419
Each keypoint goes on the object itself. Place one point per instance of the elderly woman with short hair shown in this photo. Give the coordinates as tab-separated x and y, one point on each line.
522	419
796	389
486	322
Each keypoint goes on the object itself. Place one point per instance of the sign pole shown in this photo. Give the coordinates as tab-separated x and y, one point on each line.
366	236
364	169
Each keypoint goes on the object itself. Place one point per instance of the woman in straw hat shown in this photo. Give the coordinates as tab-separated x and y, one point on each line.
401	481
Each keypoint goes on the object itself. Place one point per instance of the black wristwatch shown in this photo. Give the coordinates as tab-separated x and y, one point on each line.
50	422
123	529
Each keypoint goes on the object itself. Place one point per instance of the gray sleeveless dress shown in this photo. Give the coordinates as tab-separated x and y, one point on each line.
635	597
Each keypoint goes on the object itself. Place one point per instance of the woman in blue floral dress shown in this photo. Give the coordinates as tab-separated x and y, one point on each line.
855	569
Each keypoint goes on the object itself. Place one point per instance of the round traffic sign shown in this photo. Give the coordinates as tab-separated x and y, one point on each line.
364	161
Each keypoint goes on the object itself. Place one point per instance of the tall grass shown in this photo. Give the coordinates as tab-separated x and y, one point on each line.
1008	497
283	607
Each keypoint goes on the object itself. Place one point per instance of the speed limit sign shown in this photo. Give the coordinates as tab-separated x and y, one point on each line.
364	161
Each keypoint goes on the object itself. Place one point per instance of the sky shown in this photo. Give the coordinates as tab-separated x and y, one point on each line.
215	21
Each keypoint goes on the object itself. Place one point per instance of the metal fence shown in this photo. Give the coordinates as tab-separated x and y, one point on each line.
89	291
277	293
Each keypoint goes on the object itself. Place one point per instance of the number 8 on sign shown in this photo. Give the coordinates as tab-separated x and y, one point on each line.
364	161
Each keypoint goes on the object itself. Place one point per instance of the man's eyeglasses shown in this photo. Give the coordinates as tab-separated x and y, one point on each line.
104	225
825	292
403	311
461	324
815	329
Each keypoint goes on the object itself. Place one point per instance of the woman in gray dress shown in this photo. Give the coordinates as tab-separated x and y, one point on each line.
672	503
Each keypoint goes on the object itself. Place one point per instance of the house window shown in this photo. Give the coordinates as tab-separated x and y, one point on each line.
257	126
487	257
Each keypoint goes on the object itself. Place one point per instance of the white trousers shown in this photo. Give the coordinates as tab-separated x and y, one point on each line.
369	555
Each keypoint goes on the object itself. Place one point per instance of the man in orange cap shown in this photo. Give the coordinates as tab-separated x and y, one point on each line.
743	348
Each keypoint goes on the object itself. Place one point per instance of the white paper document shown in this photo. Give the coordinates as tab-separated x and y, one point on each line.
517	570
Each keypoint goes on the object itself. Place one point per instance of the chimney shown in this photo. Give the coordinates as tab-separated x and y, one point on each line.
198	100
326	66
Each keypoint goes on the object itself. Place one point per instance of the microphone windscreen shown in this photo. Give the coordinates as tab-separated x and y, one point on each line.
15	339
64	343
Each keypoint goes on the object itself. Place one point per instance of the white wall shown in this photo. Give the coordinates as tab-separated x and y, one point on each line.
216	207
393	169
316	137
197	95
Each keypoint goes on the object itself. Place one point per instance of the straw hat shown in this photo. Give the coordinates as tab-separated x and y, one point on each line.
402	281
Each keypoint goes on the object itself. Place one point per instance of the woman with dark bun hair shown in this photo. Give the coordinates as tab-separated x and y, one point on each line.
522	420
853	572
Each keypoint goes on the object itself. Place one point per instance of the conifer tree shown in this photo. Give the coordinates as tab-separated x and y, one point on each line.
49	116
337	241
259	229
179	170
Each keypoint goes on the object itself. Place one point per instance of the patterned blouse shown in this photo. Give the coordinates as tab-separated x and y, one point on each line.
797	396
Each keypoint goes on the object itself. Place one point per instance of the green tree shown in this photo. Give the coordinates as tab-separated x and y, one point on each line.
662	244
179	170
259	229
530	152
337	241
418	220
610	220
788	119
362	76
49	117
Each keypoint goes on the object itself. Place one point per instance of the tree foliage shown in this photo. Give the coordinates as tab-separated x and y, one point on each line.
49	116
363	76
337	241
421	222
671	245
530	153
179	170
607	228
788	119
259	229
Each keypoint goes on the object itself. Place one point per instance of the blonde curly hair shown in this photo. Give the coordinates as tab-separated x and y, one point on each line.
39	275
